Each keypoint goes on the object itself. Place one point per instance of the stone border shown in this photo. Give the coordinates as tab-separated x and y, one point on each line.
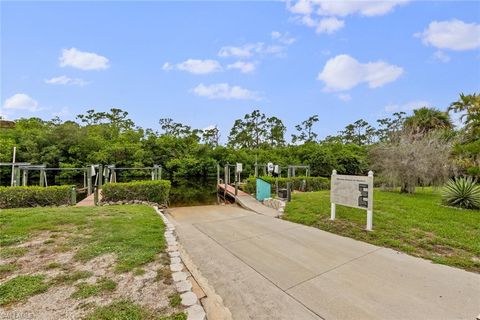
275	203
195	310
122	202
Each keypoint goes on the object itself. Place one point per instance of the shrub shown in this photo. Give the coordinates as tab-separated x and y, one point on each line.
462	193
312	183
22	197
154	191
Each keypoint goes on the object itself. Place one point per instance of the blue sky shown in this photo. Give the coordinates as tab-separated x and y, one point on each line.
209	63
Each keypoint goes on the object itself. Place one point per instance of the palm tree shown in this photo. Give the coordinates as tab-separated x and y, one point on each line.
470	106
425	120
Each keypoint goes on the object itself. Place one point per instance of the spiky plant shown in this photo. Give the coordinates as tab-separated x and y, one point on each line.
463	193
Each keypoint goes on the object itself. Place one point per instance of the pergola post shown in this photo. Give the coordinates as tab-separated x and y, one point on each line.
73	198
18	176
42	179
89	180
24	177
100	176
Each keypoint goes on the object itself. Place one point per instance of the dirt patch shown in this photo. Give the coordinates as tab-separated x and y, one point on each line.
39	255
44	257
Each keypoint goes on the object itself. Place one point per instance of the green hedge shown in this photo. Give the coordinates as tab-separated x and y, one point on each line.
154	191
23	197
312	183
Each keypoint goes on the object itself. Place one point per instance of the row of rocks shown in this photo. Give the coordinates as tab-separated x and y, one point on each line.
114	203
180	273
275	203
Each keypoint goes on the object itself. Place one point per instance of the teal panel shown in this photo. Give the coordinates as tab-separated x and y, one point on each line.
264	190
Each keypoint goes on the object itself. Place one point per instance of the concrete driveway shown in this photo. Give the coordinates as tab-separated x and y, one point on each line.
267	268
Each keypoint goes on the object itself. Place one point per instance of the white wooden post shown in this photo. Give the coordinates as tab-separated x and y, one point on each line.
13	166
332	205
370	212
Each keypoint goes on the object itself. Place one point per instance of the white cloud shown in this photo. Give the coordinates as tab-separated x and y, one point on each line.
195	66
301	7
82	60
244	67
441	56
283	38
363	8
20	101
344	72
329	25
452	34
64	80
224	91
309	21
249	49
242	52
322	14
345	97
409	106
167	66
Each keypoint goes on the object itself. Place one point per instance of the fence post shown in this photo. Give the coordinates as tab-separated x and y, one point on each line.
225	181
332	205
18	177
89	180
42	179
100	176
73	195
236	183
25	177
370	212
95	196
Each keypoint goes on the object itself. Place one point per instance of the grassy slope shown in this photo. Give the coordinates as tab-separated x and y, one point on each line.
416	224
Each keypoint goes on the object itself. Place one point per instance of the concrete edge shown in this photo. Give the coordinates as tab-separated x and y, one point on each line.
212	302
194	308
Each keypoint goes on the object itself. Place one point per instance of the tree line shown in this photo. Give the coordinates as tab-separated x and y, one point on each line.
113	138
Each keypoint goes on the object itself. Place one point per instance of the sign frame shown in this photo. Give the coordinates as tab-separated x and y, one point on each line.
352	191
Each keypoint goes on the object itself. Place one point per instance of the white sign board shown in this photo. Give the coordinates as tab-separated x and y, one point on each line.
239	168
270	167
352	191
276	169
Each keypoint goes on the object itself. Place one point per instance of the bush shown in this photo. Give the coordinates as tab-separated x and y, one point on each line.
154	191
312	183
462	193
23	197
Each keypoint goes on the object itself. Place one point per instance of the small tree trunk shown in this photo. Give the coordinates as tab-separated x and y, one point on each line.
407	188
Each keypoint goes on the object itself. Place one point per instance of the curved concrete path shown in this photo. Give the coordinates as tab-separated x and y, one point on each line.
266	268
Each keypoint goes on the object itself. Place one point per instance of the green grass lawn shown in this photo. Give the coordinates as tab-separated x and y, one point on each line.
133	234
416	224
